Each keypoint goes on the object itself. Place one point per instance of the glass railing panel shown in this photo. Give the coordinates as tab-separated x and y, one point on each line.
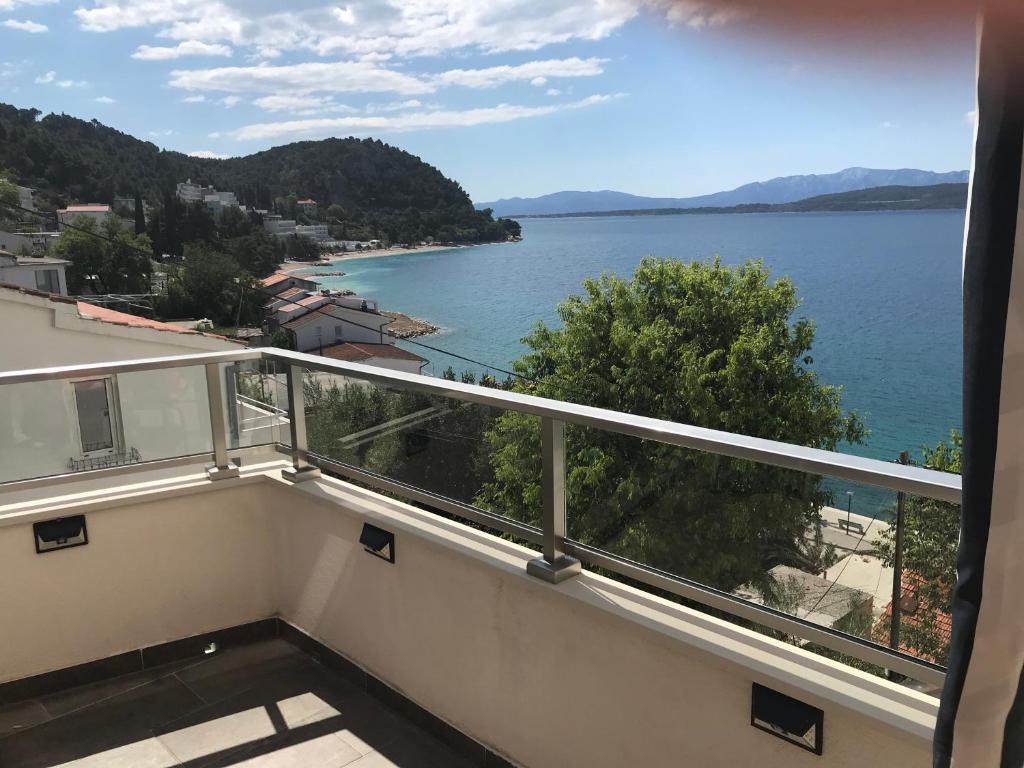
809	546
256	398
922	603
436	444
164	413
90	422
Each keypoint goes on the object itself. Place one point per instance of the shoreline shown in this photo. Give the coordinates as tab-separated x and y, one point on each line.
299	266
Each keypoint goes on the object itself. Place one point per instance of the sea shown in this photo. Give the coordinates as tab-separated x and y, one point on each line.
883	289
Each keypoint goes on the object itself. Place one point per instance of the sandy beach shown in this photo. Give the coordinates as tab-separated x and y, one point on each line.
335	258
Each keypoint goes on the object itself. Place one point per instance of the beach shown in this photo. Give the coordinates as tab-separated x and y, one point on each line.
334	258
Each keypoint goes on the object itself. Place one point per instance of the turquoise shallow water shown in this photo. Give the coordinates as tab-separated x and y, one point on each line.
883	288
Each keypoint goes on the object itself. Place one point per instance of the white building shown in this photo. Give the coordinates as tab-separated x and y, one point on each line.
40	273
97	212
312	330
25	198
189	193
273	224
307	206
316	232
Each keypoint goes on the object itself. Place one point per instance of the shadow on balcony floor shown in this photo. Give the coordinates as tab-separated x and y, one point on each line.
265	705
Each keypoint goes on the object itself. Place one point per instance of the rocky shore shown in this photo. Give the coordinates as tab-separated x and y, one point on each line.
404	327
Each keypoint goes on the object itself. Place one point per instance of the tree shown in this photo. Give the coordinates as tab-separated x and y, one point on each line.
104	259
140	215
9	192
931	532
211	284
696	343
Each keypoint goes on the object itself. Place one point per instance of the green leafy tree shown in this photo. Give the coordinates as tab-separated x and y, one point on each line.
211	284
931	532
9	192
700	344
104	259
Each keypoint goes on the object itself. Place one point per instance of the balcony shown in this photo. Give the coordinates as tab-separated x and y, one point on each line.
231	596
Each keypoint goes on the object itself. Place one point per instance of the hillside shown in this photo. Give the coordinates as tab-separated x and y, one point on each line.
891	198
376	185
784	189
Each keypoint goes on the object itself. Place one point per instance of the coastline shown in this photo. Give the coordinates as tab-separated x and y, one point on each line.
299	266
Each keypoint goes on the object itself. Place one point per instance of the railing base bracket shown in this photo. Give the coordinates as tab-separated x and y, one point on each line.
213	472
300	475
563	568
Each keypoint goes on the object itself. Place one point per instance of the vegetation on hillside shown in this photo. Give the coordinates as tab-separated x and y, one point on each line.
376	188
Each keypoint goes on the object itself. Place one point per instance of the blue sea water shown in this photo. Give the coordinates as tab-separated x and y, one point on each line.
884	290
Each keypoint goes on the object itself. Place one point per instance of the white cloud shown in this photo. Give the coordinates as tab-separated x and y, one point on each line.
340	76
539	81
208	154
401	27
395	106
553	92
971	118
186	48
104	100
51	78
440	118
10	5
230	101
299	102
163	132
194	99
887	124
26	26
369	76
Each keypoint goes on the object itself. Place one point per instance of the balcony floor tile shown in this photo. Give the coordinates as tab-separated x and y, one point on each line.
262	705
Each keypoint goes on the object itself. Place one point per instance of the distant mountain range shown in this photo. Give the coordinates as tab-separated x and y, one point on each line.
785	189
931	197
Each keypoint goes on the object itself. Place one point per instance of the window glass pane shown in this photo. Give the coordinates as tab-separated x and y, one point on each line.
94	415
46	280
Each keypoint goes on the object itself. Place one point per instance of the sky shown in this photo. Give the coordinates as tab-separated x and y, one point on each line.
508	97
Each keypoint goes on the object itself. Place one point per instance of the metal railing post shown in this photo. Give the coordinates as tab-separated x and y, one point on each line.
221	468
897	575
554	566
301	469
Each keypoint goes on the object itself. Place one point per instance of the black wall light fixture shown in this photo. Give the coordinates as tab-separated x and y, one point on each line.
60	533
378	542
798	723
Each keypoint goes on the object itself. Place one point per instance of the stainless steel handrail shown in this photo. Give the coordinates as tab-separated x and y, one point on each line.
943	486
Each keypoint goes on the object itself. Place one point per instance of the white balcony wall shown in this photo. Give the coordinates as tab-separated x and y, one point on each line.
153	570
588	673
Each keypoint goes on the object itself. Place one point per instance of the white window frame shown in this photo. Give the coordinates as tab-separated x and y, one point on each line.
113	412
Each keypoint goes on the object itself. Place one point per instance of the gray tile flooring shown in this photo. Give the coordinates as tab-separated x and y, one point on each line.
264	705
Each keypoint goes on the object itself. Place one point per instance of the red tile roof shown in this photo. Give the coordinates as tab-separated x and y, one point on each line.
287	293
93	208
104	315
308	317
275	278
913	610
355	352
310	300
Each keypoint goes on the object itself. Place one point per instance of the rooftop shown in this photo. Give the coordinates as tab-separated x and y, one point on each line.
88	208
359	352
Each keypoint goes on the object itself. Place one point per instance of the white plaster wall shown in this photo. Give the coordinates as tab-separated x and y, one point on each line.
548	681
151	572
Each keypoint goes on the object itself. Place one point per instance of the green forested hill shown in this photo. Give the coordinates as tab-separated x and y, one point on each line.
378	187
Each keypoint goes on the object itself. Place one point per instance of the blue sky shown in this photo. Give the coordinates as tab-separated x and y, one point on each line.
509	97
